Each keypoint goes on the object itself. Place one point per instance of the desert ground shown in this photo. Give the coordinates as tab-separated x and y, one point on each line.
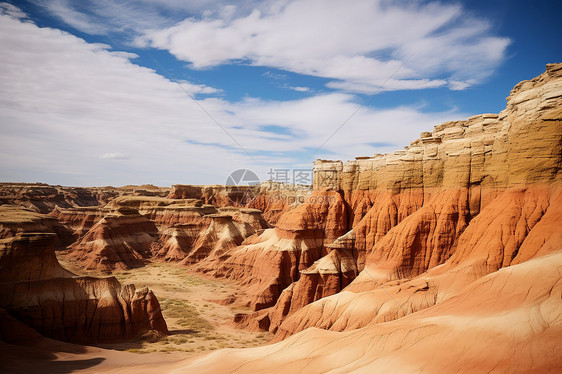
191	304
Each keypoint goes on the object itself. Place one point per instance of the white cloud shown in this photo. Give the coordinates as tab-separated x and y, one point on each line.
66	106
356	42
459	85
102	17
11	10
115	156
299	88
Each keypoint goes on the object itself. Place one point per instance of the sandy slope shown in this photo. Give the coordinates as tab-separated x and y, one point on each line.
508	321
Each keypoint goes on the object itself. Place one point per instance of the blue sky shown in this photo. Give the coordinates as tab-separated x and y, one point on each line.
166	91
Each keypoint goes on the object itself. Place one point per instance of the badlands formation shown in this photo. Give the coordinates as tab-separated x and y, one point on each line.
442	257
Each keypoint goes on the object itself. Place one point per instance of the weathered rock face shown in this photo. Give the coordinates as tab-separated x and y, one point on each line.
164	211
133	229
16	219
202	231
519	146
519	225
267	263
120	240
326	277
217	195
221	235
30	256
36	290
466	185
274	199
271	198
79	220
44	198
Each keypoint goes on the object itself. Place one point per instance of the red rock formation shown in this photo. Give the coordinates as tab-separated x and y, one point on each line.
477	191
202	234
120	240
166	229
30	256
326	277
166	212
508	321
274	199
16	219
460	244
221	236
79	220
270	197
175	242
37	291
217	195
266	264
43	198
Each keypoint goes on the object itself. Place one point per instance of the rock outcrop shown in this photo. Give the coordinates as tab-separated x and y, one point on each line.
44	198
79	220
475	196
16	219
132	230
508	321
486	182
120	240
268	262
272	198
36	290
452	245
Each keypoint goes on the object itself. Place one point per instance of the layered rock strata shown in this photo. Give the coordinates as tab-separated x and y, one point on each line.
36	290
272	198
508	321
475	195
268	262
16	219
79	220
44	198
120	240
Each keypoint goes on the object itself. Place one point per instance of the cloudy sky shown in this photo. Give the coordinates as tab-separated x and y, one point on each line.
114	92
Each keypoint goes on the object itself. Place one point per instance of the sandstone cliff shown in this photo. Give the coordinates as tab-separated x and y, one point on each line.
79	220
474	195
508	321
268	262
484	191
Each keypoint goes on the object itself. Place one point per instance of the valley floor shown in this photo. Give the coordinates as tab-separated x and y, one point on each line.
191	306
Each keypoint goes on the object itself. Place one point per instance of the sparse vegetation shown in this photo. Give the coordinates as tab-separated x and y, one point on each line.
191	318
